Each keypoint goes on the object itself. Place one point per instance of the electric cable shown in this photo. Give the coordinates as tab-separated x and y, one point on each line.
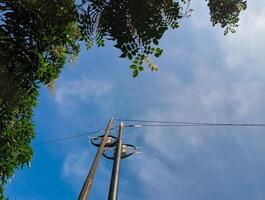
183	123
193	125
155	123
69	137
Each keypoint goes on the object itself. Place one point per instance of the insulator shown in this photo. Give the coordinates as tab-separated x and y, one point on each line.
109	142
124	150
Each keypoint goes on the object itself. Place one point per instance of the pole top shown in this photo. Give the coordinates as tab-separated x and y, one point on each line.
121	125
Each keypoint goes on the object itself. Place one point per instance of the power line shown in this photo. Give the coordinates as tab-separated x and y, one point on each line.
163	124
157	124
69	137
193	125
183	123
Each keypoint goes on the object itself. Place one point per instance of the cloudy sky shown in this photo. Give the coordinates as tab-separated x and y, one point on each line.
203	76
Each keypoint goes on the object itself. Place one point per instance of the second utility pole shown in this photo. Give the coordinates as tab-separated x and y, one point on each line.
113	191
90	177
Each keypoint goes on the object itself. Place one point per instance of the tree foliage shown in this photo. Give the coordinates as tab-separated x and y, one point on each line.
226	13
136	26
38	37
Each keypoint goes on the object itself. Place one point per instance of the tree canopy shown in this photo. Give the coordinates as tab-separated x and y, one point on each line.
38	37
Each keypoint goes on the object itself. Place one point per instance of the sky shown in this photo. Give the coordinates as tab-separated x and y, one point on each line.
203	76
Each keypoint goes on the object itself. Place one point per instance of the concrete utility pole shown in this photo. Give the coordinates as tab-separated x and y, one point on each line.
90	177
113	191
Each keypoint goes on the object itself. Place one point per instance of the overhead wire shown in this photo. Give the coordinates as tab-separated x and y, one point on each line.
156	123
187	123
70	137
193	125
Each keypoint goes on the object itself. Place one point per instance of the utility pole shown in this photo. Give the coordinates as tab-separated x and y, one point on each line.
90	177
113	191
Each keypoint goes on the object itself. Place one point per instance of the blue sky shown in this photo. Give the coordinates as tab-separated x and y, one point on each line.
203	76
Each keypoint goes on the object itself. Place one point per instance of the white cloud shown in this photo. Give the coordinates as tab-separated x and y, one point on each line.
88	93
245	48
69	93
75	167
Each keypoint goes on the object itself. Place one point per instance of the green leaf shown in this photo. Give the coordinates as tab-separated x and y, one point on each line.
133	67
123	55
135	73
129	56
158	52
134	52
140	68
153	68
117	46
232	30
155	41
